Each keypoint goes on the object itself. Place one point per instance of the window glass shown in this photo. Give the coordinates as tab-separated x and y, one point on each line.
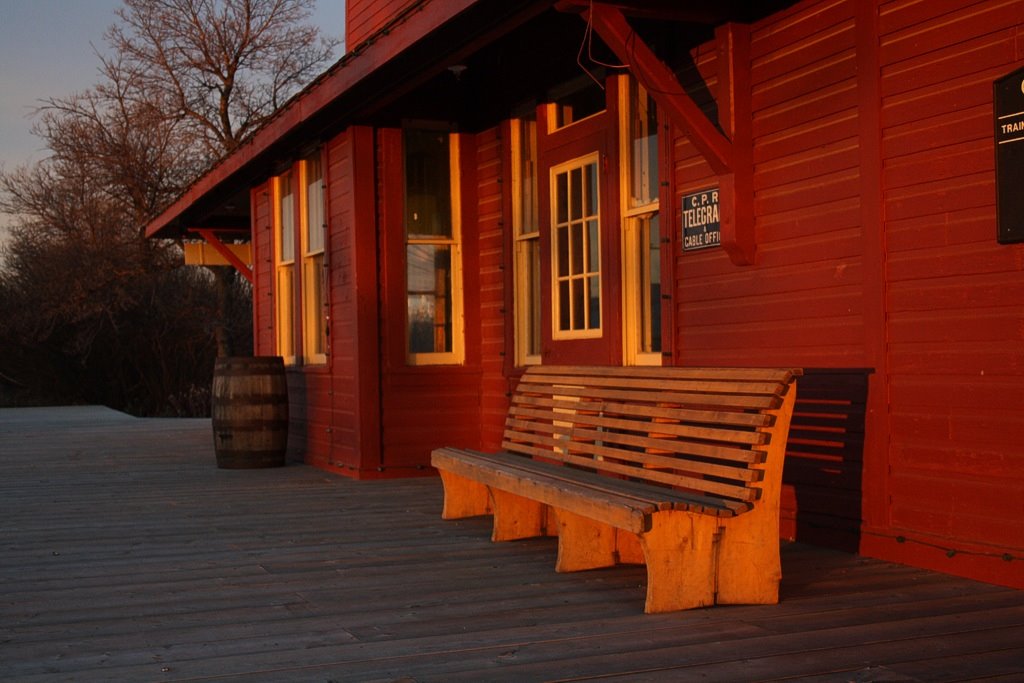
433	307
643	147
286	218
576	257
650	291
428	192
429	280
314	204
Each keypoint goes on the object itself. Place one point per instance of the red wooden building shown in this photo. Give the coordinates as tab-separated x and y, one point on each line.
481	185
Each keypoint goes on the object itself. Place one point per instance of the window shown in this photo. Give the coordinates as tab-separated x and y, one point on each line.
314	310
526	231
433	257
641	229
284	267
576	248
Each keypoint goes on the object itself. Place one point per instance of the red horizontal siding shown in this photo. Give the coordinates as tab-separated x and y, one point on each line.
264	342
427	408
364	17
493	270
956	324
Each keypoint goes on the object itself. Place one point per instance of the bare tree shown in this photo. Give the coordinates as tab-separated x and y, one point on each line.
92	310
221	65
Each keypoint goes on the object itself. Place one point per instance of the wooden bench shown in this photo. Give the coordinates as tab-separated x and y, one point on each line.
676	468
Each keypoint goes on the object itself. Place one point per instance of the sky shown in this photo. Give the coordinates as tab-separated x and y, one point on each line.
48	49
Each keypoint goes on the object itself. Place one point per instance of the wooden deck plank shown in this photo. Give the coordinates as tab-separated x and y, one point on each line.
126	555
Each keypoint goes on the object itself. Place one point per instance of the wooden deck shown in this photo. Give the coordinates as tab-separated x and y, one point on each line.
126	555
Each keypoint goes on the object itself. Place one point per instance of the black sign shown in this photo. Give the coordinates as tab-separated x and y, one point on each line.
701	224
1008	99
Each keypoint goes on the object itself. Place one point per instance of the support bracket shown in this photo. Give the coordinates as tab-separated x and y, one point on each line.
210	235
729	154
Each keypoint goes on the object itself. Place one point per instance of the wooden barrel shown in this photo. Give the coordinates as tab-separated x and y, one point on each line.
249	406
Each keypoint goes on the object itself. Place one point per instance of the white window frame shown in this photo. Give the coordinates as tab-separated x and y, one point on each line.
458	354
284	268
525	238
633	244
587	332
313	278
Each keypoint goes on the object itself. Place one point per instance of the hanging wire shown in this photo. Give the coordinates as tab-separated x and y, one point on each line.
588	43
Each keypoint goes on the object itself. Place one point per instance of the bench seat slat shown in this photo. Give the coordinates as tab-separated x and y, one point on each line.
662	497
574	490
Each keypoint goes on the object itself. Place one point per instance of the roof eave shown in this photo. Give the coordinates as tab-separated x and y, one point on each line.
348	72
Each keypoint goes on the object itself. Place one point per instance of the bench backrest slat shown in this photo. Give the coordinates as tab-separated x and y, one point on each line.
592	414
655	391
698	430
709	417
568	436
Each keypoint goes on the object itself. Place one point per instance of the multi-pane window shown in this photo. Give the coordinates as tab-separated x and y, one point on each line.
641	229
576	249
314	311
284	267
526	231
433	275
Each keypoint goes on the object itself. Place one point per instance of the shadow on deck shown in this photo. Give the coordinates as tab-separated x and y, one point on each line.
128	556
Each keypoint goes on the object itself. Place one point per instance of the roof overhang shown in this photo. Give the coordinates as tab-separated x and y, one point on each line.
389	64
422	42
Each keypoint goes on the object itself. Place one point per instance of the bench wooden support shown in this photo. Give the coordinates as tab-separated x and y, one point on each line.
516	516
678	469
463	497
584	543
681	560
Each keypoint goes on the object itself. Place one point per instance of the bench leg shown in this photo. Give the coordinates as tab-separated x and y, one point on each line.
463	497
627	547
680	554
516	516
749	563
583	543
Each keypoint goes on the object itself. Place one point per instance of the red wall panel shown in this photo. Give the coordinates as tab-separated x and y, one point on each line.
264	342
493	271
428	406
956	324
